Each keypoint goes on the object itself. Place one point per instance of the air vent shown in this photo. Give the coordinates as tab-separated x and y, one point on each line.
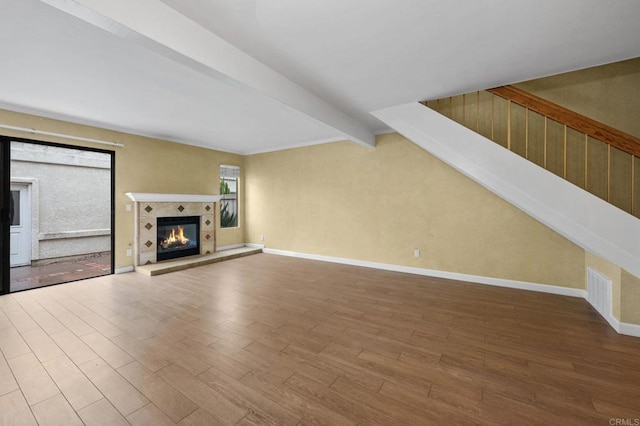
599	292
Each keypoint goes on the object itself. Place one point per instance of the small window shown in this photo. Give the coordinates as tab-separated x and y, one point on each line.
229	176
15	208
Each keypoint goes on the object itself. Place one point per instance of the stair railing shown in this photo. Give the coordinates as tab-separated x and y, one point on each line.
590	154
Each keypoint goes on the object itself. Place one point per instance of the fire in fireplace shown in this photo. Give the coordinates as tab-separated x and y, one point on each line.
178	237
176	240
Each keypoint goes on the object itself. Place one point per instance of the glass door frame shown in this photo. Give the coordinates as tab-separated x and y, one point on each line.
5	198
5	205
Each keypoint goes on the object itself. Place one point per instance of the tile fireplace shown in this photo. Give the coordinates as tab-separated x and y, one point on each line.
168	226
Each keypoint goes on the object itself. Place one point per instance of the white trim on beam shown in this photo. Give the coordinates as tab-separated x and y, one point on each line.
160	28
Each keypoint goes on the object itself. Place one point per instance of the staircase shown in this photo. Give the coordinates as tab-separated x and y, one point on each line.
591	155
545	169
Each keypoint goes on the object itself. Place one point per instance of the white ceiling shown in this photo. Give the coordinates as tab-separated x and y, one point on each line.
294	72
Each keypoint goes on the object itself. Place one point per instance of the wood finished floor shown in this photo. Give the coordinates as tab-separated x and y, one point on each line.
276	340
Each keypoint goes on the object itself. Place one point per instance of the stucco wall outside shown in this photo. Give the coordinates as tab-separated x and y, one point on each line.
71	208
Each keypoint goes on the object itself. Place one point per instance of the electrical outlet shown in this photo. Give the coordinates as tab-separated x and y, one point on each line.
416	253
129	252
127	207
261	237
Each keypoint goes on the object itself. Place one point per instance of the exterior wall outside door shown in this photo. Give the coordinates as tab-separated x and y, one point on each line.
70	200
20	234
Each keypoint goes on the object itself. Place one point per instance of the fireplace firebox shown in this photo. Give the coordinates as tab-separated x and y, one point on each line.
178	237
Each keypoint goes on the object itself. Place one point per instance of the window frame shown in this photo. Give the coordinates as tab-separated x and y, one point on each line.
230	173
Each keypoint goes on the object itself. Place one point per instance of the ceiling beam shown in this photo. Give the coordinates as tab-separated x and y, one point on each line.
158	27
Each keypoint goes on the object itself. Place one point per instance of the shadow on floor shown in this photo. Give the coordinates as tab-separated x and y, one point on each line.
27	277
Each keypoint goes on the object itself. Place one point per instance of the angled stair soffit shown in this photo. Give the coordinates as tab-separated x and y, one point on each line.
156	26
579	216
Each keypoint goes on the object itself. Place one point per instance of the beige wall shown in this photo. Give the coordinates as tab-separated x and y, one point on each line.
630	299
344	200
142	165
608	93
380	204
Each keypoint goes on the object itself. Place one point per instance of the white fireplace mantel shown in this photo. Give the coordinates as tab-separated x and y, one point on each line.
172	198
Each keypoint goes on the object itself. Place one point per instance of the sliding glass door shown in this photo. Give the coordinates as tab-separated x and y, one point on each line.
57	205
5	213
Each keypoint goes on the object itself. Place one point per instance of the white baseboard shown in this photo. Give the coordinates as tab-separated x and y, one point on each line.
629	329
522	285
123	270
606	309
621	328
260	246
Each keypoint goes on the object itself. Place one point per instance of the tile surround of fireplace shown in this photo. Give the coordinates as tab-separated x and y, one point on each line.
150	207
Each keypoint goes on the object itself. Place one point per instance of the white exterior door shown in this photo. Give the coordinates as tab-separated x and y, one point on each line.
20	215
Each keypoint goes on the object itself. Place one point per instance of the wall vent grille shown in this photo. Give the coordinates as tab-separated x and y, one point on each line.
599	292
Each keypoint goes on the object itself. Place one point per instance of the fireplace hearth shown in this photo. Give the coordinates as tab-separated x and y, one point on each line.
178	237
